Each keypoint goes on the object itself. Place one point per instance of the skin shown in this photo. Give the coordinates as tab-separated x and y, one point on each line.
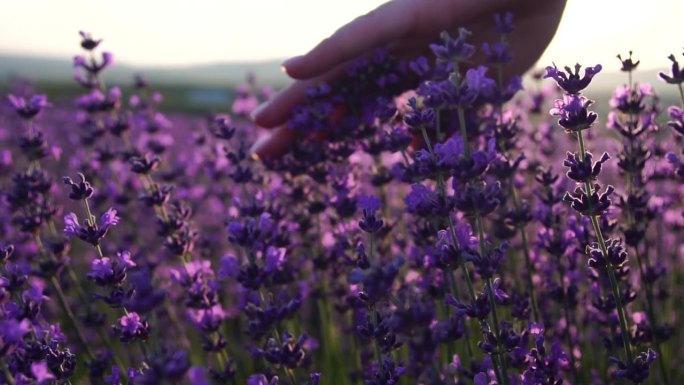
406	28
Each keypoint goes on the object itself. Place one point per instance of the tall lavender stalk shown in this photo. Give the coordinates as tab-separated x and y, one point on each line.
606	255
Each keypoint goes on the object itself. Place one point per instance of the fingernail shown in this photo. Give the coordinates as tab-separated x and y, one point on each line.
255	112
259	144
289	62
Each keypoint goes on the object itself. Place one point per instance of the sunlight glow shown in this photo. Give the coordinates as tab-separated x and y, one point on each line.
176	32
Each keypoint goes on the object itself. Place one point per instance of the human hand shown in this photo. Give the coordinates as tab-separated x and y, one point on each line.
405	28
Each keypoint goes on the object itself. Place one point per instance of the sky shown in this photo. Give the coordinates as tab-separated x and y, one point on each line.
178	33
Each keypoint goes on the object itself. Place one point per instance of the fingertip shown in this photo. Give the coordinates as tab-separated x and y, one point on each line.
258	146
274	145
296	68
254	115
264	116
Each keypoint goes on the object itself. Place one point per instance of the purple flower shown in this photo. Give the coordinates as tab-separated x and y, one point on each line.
638	370
87	41
676	75
165	366
455	95
488	264
34	294
41	372
370	205
93	68
573	113
109	218
584	170
479	199
27	110
130	323
628	65
106	271
677	119
418	117
132	327
481	379
12	331
96	101
479	84
208	320
71	226
498	53
79	191
90	233
274	259
453	50
422	201
479	309
617	255
452	155
115	377
260	379
222	127
230	267
590	205
504	23
198	376
571	82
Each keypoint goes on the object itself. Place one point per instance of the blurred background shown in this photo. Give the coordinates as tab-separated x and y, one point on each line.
195	52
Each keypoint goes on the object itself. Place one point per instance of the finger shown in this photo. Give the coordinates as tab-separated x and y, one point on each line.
276	144
278	109
375	29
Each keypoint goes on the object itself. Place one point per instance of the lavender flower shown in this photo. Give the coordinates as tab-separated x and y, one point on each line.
583	170
574	114
676	75
370	205
590	205
41	373
28	109
638	370
453	50
107	271
570	81
132	327
628	64
87	41
92	233
79	191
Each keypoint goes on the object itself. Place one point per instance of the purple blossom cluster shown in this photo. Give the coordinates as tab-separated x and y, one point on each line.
408	237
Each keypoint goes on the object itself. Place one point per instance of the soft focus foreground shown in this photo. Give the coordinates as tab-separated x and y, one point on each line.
456	234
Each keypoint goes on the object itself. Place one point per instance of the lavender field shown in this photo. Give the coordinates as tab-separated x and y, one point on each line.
471	230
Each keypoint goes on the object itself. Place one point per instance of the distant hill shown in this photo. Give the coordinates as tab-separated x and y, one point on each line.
55	70
208	87
46	69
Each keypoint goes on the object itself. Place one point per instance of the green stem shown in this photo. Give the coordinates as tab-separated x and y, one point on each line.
528	259
452	231
464	131
72	318
611	273
650	310
374	312
84	299
376	343
8	375
499	359
569	340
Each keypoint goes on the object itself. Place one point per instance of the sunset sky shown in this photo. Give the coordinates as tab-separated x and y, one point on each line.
174	32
